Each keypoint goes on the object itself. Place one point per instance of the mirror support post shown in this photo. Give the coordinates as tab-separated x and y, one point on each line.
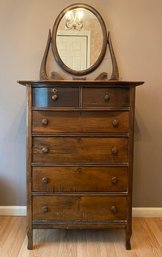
115	71
43	73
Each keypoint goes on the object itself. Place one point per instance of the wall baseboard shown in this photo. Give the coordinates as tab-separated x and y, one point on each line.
136	212
147	212
13	210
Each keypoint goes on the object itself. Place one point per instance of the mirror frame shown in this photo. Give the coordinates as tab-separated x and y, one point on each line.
54	34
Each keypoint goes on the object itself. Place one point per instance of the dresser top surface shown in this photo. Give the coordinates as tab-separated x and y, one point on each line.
89	83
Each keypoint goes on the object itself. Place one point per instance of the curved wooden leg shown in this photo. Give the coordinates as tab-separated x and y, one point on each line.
128	244
128	238
30	239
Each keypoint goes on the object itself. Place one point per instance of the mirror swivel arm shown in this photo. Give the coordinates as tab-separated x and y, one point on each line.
43	73
115	71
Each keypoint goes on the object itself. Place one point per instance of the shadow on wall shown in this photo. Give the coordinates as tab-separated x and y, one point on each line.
6	191
141	130
12	159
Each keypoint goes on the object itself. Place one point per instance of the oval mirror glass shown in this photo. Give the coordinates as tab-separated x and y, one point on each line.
79	39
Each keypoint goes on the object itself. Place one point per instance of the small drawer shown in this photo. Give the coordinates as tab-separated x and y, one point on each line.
56	97
80	150
106	97
80	179
80	122
79	208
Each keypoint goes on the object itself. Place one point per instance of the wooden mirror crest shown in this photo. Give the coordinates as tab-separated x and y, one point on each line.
79	42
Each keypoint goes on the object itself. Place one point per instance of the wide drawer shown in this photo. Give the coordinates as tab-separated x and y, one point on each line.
79	208
79	179
56	97
78	122
106	97
62	150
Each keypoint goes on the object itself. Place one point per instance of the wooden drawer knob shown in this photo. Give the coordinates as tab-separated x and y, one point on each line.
54	97
54	90
114	151
44	149
107	97
114	180
44	122
79	170
45	209
113	209
45	180
115	123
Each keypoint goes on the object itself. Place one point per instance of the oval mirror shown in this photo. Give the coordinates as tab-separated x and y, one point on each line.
79	39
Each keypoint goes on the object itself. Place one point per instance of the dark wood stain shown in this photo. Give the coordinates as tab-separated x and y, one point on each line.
56	97
80	122
62	150
103	97
79	208
80	179
80	155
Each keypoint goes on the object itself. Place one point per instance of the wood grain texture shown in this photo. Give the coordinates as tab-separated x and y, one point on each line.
82	83
102	97
115	70
80	164
146	240
130	174
12	235
62	150
43	72
80	122
28	168
79	179
56	97
79	208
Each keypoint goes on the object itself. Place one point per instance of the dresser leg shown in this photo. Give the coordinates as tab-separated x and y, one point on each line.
128	244
127	240
30	239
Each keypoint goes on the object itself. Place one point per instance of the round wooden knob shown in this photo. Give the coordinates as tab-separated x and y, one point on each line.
54	90
107	97
44	122
45	208
44	149
54	97
114	180
44	180
79	170
115	123
113	209
114	151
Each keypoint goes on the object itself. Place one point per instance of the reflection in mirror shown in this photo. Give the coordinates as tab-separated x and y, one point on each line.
79	39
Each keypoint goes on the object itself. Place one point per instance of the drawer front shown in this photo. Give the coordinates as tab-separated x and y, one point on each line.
64	150
80	122
79	208
106	97
80	179
56	97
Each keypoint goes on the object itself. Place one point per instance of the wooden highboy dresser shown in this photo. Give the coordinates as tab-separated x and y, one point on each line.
80	155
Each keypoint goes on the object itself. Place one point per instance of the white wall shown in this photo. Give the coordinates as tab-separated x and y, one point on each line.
136	29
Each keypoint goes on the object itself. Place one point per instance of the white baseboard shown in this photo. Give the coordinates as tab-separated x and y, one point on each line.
13	210
136	212
147	212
